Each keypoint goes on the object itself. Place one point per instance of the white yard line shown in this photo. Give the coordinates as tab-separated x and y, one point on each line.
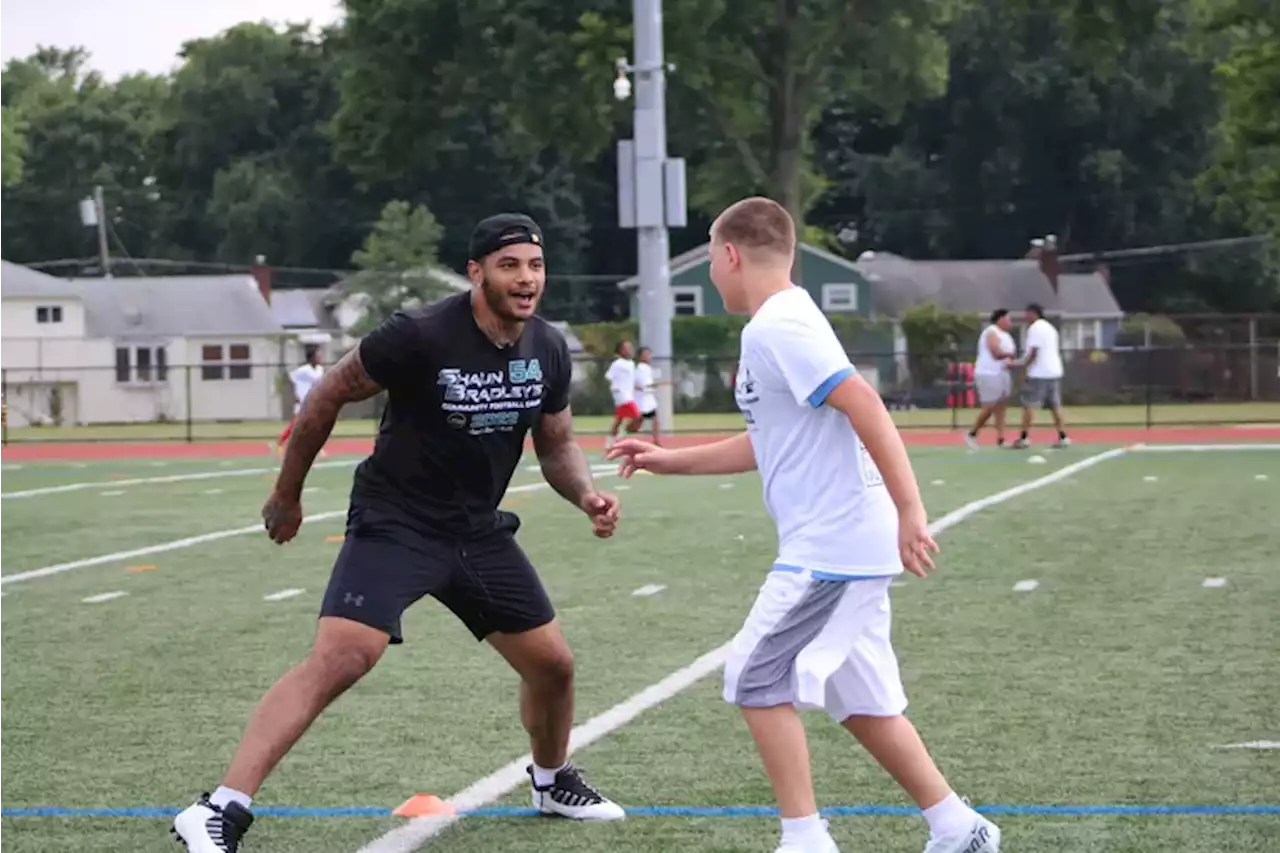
105	596
187	542
146	481
1025	586
650	589
1213	583
283	594
413	834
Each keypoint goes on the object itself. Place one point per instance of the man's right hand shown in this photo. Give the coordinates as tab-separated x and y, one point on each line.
282	516
636	455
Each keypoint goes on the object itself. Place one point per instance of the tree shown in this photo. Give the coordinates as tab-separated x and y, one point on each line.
398	266
248	157
1244	37
1042	136
14	146
752	79
81	132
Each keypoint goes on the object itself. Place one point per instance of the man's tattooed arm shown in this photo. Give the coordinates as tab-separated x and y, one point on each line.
564	465
345	383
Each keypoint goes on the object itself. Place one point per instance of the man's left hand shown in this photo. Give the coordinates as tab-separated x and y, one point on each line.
603	509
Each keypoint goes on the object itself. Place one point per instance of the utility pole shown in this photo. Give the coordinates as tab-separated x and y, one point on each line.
93	211
651	193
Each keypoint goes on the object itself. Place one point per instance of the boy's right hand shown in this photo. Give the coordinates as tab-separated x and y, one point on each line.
915	543
636	455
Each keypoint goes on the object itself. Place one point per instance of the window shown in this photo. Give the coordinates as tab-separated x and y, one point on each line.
239	367
141	364
211	362
235	365
686	301
839	297
1090	334
48	313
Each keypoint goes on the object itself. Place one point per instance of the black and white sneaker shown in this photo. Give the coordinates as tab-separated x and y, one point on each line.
205	828
570	796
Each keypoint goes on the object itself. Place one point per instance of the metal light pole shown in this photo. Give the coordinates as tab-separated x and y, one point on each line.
651	192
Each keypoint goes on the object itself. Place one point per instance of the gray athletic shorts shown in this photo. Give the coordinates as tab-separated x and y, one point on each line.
994	388
817	644
1046	393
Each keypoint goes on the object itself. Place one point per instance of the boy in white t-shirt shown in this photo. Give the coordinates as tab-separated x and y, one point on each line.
646	390
621	376
303	378
839	485
1042	360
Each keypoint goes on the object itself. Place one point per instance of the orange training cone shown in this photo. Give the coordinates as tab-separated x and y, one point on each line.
422	805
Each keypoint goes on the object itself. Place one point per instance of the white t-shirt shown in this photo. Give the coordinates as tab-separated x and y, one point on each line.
987	364
1043	337
304	378
832	509
644	387
622	381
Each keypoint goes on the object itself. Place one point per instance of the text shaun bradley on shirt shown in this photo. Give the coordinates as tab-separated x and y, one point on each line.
488	401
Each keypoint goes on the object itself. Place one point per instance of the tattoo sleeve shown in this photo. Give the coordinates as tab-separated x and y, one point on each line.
346	383
564	465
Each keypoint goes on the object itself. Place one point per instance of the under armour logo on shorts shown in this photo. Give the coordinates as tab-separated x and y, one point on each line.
352	598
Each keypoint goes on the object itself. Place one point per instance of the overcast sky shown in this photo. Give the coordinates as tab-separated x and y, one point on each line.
124	36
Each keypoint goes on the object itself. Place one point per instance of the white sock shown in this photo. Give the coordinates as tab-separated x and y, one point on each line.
949	817
223	796
543	777
802	828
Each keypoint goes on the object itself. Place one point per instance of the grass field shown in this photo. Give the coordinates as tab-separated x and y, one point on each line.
1197	413
1074	711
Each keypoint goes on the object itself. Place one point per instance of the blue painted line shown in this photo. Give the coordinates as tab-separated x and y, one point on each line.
677	811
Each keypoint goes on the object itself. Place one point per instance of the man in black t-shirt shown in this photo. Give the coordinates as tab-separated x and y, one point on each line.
467	378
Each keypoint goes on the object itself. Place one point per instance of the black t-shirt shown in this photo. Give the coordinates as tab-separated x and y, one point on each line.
458	412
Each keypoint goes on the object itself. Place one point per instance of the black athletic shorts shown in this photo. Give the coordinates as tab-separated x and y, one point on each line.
386	564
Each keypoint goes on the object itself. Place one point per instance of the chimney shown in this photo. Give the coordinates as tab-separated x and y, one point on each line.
1104	269
262	273
1045	251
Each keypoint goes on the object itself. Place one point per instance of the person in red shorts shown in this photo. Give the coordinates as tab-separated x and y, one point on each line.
622	385
303	379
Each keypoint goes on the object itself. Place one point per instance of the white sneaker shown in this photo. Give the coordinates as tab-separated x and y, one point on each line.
204	828
971	441
982	837
570	796
823	844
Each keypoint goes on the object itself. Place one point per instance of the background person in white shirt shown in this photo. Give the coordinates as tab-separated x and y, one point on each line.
1042	361
622	386
646	385
303	378
996	351
839	486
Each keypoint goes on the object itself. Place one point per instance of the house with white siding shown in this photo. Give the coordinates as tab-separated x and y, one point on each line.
135	350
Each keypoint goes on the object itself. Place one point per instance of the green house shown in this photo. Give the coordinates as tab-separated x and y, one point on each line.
833	281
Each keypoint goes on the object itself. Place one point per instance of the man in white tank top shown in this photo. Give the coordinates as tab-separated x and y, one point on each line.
996	352
839	486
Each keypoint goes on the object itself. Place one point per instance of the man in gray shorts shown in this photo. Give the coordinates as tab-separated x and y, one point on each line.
1043	383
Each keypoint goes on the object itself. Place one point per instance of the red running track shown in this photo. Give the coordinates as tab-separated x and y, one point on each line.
53	451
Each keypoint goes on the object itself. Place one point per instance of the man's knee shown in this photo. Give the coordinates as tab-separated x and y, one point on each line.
344	652
552	670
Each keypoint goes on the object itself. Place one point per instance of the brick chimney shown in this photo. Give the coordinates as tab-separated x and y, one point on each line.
1104	269
1045	251
262	273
